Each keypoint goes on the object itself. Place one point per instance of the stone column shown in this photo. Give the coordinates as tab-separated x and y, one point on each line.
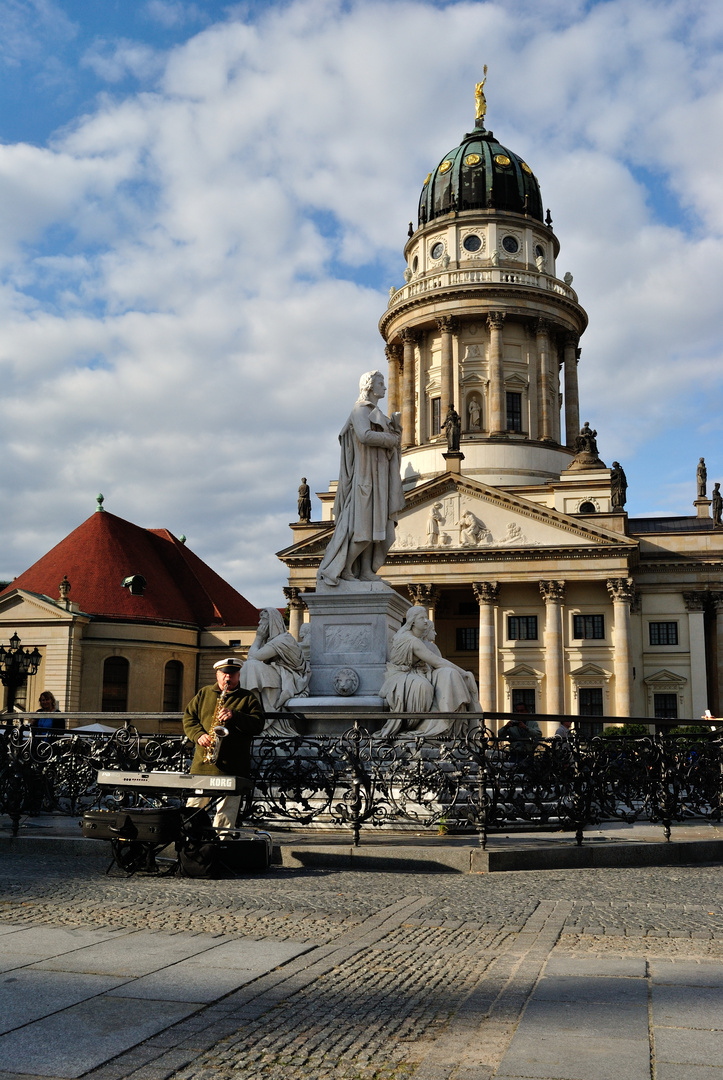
487	593
622	594
498	404
553	593
447	325
296	610
572	400
695	605
409	412
716	706
543	360
395	354
533	377
425	596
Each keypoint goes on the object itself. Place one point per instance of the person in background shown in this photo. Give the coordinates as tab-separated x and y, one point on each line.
46	719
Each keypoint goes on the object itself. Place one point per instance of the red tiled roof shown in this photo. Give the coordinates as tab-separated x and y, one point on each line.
105	549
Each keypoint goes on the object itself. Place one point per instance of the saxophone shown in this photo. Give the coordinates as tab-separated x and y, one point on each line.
218	731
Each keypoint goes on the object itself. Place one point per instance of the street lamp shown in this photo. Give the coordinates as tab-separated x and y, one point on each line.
16	665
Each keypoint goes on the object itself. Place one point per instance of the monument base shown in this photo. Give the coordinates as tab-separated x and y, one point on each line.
351	627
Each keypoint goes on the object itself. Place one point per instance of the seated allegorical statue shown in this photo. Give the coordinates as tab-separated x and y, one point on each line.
419	679
276	669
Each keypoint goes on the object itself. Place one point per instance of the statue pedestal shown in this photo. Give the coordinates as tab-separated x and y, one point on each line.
702	507
351	626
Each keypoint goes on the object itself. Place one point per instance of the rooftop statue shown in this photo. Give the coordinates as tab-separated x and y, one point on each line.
452	427
701	478
480	99
618	486
369	496
304	501
586	452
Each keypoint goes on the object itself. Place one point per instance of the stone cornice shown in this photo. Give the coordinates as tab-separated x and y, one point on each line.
476	556
491	294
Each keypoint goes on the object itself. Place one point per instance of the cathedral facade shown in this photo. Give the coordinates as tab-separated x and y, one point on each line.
515	534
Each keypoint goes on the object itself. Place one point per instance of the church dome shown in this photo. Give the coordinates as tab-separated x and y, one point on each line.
480	174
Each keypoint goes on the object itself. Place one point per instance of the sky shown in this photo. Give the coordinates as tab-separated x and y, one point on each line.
203	206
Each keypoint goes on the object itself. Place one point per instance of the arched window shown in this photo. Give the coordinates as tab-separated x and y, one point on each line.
115	684
173	686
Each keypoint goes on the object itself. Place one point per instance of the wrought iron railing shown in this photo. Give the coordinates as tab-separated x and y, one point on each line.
476	784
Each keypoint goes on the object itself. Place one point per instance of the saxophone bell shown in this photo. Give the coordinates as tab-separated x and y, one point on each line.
217	733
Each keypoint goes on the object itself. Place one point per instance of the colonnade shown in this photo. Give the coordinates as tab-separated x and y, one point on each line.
706	686
543	379
553	593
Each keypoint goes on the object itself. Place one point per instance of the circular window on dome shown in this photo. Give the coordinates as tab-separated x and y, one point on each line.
526	168
445	166
415	263
587	508
510	244
429	177
539	252
502	159
472	243
437	250
472	160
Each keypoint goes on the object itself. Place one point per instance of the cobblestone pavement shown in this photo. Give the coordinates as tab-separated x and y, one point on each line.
425	976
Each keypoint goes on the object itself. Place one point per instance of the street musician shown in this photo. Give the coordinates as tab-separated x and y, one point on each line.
221	720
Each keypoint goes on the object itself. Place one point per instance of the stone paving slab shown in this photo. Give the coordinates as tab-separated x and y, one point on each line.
580	989
26	945
29	995
548	1055
682	1046
667	1071
70	1043
688	1007
591	966
680	973
212	974
132	955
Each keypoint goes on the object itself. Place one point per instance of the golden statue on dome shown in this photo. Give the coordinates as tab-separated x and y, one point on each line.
479	97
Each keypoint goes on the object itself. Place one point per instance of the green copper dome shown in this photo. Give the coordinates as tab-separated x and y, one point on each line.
480	174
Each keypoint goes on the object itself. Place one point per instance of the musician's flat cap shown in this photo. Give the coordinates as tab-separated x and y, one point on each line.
231	663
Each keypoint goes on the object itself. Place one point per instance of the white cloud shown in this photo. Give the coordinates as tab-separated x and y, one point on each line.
181	323
114	61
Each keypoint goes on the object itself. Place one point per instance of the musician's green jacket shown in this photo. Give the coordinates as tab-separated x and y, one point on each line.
248	719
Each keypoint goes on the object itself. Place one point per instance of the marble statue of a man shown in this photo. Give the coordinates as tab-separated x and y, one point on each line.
369	496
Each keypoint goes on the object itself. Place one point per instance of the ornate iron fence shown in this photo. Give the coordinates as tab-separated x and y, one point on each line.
476	784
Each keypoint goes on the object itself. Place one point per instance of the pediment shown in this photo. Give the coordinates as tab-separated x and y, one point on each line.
589	671
21	606
523	671
458	513
665	678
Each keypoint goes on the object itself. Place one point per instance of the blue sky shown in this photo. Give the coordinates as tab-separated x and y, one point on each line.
204	205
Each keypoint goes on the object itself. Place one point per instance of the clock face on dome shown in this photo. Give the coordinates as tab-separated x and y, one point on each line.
510	244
